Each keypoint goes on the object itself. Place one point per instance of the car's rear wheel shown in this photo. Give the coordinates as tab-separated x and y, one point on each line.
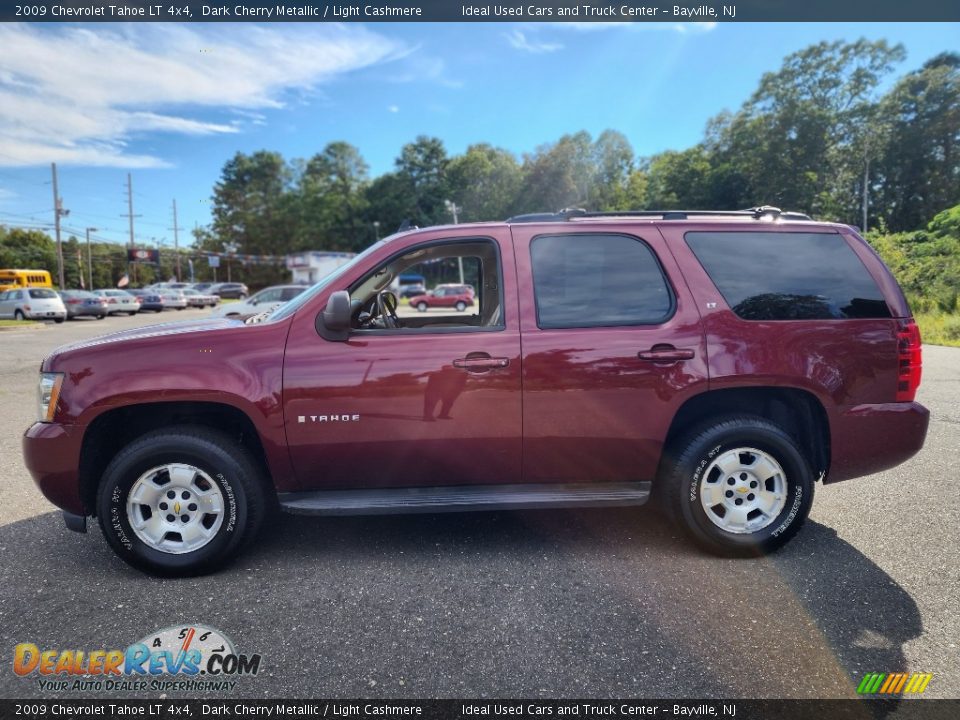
461	306
17	315
739	485
181	501
421	306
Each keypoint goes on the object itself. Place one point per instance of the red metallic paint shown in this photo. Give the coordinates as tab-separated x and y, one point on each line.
399	385
592	409
570	404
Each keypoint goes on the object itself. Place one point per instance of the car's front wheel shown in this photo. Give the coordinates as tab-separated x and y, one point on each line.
181	501
461	306
739	485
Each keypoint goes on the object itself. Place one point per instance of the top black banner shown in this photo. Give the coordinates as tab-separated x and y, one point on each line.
481	11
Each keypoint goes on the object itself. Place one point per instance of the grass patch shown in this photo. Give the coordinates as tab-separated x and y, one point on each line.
939	328
227	301
18	323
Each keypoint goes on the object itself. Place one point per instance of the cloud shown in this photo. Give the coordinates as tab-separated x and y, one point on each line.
415	66
393	108
520	41
78	96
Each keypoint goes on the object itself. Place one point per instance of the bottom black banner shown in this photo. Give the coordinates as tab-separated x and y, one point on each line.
867	709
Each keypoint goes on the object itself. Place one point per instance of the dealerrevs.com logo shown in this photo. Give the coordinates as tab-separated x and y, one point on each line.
183	657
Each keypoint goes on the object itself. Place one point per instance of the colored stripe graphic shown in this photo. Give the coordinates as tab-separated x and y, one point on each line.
894	683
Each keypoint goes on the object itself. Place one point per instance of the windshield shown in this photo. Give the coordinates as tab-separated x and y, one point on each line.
289	308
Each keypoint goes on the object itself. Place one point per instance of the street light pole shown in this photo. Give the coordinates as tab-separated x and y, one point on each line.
376	229
90	257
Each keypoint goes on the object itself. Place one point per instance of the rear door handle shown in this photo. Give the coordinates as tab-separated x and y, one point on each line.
665	354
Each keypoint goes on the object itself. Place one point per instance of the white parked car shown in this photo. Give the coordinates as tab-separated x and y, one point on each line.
267	299
173	299
32	304
198	299
119	301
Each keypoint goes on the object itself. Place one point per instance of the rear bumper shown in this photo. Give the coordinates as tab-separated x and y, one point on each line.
866	439
51	452
44	314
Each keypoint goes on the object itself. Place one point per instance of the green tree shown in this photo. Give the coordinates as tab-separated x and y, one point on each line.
920	163
484	182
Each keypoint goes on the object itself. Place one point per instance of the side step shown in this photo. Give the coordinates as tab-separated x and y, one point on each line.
463	498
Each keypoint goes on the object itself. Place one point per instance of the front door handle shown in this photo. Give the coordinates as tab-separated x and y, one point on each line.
480	362
665	354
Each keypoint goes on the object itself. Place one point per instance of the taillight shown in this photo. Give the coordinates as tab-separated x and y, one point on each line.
909	361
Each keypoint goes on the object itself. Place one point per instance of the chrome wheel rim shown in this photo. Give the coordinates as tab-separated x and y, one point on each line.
175	508
743	490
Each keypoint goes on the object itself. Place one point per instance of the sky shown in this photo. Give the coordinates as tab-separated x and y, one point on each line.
171	103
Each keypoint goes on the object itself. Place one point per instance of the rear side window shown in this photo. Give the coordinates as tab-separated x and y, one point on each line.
290	293
597	280
788	276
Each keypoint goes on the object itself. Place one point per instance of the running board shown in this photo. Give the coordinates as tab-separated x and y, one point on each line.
463	498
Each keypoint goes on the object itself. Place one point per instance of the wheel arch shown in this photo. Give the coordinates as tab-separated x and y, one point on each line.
799	412
112	430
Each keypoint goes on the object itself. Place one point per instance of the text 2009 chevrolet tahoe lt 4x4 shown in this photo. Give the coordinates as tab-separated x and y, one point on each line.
721	362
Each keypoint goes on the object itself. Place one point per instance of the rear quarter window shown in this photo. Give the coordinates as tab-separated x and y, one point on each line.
788	276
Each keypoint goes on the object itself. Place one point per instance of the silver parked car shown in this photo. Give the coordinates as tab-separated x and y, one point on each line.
32	304
267	299
119	301
82	303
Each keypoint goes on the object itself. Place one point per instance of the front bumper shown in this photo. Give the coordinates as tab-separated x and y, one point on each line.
51	452
867	439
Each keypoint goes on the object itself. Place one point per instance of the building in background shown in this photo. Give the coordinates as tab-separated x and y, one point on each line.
313	265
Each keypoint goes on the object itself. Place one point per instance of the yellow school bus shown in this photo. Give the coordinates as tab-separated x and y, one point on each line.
13	279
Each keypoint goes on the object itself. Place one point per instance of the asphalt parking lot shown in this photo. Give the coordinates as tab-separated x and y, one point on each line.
598	603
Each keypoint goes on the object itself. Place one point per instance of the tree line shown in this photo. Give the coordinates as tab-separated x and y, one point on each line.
816	136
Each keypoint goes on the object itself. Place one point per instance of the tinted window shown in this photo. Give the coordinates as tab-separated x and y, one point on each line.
290	293
788	276
44	294
597	280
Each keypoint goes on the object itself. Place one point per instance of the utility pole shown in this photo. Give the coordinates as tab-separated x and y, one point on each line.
130	215
90	257
452	207
176	238
58	212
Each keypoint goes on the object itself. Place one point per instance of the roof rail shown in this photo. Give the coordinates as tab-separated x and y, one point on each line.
570	213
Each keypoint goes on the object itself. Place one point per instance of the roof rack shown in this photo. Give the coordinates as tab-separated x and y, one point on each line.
571	213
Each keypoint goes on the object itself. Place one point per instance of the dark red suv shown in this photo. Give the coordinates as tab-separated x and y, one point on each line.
721	363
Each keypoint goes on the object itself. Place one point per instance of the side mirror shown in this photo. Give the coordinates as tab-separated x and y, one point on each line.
336	316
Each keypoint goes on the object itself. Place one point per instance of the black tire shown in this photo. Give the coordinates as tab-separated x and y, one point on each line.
679	485
100	317
421	307
227	463
59	320
461	306
18	315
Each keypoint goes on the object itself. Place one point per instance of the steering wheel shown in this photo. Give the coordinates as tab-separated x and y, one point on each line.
387	309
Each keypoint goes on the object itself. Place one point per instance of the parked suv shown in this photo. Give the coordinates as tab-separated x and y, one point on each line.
721	363
444	296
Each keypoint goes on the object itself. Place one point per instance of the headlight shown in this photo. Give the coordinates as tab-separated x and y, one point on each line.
48	392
